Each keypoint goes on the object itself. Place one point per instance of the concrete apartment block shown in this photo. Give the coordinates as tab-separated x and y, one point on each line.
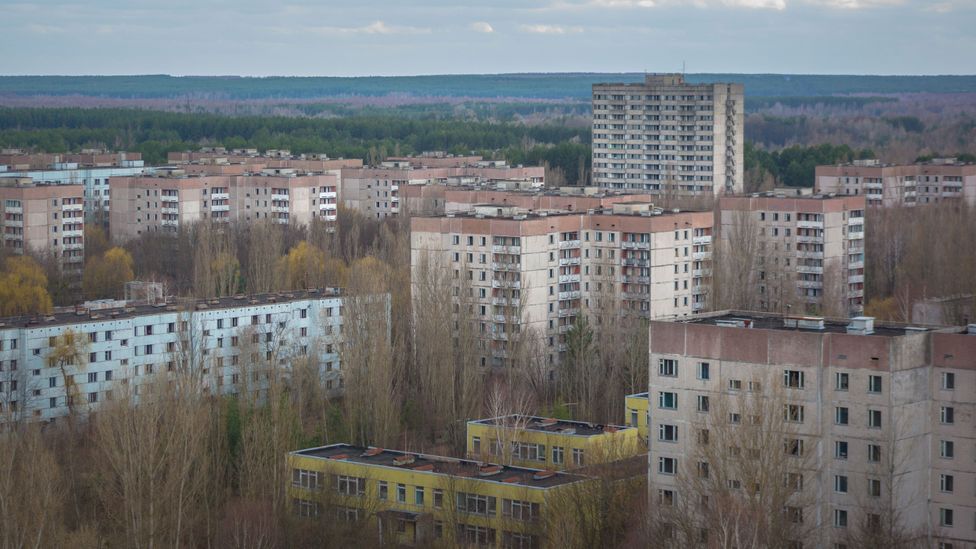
668	137
887	185
131	342
885	411
173	198
541	270
44	218
818	241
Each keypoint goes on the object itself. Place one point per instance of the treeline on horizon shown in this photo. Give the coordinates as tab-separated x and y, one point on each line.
529	85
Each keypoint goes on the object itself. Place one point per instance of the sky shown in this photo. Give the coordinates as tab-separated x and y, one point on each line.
407	37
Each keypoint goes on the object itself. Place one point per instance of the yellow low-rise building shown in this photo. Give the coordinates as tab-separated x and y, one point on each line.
638	413
531	441
417	499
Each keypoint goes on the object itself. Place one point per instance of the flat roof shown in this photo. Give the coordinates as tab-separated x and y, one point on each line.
79	314
777	322
552	425
524	214
638	395
440	465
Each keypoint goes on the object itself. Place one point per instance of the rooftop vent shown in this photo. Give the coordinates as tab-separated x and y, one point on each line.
543	475
568	431
734	322
804	322
404	460
489	470
861	325
372	452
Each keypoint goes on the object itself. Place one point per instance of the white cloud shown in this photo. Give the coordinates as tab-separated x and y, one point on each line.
756	4
550	29
376	27
481	26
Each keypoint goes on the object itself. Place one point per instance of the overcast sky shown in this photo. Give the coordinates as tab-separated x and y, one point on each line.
396	37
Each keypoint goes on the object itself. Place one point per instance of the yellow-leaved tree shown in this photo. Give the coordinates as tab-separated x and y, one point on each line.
23	288
105	276
303	267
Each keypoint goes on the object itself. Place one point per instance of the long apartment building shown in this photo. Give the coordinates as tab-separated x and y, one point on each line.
376	192
889	185
44	219
172	198
669	137
413	499
807	252
549	443
90	169
516	271
228	342
440	199
882	415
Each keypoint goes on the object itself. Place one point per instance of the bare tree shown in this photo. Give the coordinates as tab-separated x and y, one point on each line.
736	279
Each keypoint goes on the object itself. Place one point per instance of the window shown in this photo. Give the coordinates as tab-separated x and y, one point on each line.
528	452
793	447
92	377
945	517
874	487
947	415
947	449
667	367
793	379
874	419
667	433
794	413
667	465
558	454
702	403
303	478
840	484
578	457
305	508
840	518
841	382
350	486
794	514
948	381
668	401
703	469
438	498
755	386
841	415
946	483
874	384
476	445
703	371
735	384
401	493
735	418
874	453
383	490
468	534
520	510
418	495
476	504
665	497
840	449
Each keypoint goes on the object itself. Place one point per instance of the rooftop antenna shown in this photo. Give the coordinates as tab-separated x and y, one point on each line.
682	67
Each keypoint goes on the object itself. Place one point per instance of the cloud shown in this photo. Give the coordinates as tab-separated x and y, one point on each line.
857	4
481	26
550	29
376	27
756	4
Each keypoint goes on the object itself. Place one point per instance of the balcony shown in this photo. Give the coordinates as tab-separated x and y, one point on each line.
503	301
855	264
874	185
571	311
169	198
169	222
575	294
569	278
809	239
855	235
563	244
280	209
637	279
221	208
506	266
809	284
331	194
565	328
222	196
698	256
707	239
629	262
855	279
810	224
701	272
855	293
697	305
516	284
283	197
810	255
815	269
74	246
635	245
167	210
563	261
72	207
635	296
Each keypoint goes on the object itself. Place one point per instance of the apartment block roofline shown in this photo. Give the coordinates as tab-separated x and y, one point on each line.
122	309
813	324
466	469
555	426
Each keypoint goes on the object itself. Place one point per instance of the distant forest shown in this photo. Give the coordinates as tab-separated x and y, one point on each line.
537	86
